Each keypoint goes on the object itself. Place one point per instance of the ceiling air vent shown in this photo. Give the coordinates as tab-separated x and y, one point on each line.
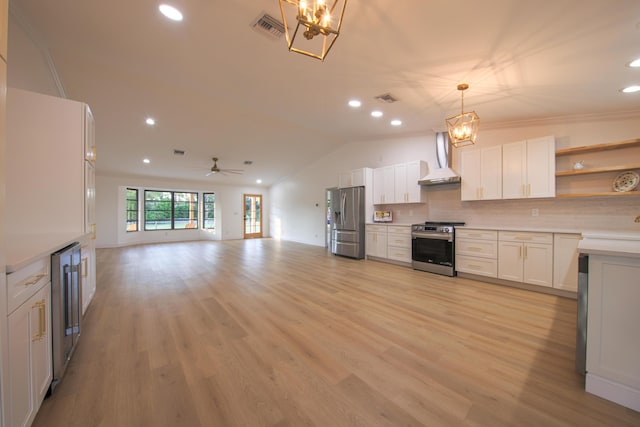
387	97
269	26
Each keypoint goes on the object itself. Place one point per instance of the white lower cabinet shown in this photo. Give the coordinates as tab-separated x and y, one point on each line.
399	243
613	340
565	261
376	241
392	242
477	252
29	330
88	272
526	257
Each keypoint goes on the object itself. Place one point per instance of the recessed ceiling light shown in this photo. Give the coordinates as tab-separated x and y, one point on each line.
396	122
150	121
146	161
258	181
355	103
635	63
170	12
376	113
631	89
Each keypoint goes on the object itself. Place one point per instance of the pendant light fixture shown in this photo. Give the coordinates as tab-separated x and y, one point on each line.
318	21
463	128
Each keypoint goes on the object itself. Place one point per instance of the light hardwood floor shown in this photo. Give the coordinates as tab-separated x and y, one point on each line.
269	333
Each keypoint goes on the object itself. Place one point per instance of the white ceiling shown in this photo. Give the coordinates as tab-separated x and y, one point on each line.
219	88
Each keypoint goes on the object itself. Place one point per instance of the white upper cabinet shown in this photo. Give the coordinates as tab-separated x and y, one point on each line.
354	178
528	169
398	183
481	172
406	187
384	185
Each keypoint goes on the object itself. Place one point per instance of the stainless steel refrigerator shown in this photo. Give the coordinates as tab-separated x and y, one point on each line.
347	222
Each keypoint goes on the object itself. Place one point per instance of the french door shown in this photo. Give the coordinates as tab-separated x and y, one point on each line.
252	216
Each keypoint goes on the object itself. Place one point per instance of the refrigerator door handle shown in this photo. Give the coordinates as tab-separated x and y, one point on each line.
343	207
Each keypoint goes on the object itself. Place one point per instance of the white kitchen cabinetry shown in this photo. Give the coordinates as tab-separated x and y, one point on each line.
52	165
354	178
29	347
526	257
481	172
613	337
529	169
88	272
477	252
406	176
383	185
398	183
399	243
565	261
376	240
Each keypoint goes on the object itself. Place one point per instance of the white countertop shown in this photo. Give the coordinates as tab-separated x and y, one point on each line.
23	249
524	228
610	243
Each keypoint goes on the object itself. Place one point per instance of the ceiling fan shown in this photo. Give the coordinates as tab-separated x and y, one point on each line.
215	169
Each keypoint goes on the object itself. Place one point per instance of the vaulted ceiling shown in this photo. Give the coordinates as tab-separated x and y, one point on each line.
217	87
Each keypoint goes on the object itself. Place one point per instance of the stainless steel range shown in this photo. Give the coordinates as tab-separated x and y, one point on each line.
433	247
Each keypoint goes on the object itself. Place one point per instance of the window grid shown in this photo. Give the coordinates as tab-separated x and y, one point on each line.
132	210
208	211
170	210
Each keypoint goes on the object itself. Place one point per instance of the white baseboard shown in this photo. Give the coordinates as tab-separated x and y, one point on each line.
615	392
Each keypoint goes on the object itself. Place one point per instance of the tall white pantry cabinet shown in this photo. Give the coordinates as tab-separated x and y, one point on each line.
51	176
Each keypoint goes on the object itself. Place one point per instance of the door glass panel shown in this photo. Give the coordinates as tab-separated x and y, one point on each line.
252	216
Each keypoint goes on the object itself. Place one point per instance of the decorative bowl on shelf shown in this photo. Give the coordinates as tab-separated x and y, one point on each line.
626	181
578	165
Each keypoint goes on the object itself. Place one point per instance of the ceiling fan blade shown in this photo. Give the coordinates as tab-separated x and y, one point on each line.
211	173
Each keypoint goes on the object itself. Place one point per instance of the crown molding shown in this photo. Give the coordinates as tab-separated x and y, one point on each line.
570	118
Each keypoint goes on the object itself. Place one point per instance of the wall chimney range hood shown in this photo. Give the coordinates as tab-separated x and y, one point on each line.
444	174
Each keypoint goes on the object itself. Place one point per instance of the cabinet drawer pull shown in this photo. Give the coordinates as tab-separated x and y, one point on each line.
475	267
85	269
42	320
35	280
475	249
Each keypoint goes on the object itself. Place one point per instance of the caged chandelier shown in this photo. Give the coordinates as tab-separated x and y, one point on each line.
463	128
318	21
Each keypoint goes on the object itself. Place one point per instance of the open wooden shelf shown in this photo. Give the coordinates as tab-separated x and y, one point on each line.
598	170
599	147
603	194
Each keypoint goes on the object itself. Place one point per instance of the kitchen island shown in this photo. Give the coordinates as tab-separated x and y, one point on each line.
613	316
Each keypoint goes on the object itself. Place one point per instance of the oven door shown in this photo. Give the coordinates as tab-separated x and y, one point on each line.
433	252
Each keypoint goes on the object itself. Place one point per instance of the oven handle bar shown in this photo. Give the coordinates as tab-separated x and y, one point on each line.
438	236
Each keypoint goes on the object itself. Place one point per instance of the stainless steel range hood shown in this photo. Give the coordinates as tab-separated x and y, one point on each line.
444	174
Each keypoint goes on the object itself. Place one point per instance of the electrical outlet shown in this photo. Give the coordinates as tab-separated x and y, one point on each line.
535	212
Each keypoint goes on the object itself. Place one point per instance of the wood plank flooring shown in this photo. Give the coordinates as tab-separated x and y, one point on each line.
270	333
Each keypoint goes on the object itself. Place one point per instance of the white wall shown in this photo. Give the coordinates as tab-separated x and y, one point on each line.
298	203
111	218
29	68
293	199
